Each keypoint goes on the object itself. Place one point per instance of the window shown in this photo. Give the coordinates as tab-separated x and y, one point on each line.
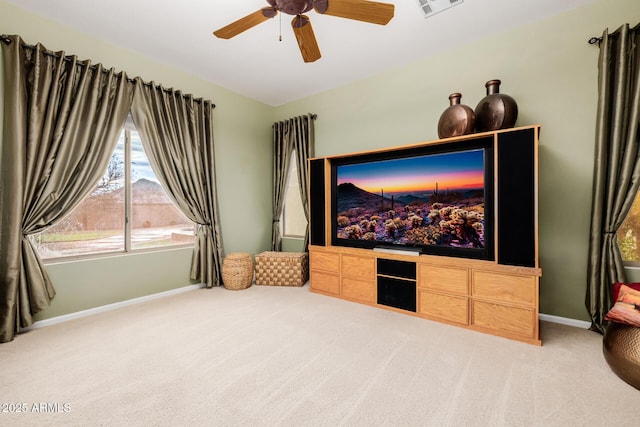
127	210
294	223
629	234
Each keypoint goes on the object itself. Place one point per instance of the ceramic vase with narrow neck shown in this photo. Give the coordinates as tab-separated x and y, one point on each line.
457	119
496	110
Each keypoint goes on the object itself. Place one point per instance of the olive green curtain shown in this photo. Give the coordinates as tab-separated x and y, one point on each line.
296	133
304	145
177	135
62	119
281	158
617	165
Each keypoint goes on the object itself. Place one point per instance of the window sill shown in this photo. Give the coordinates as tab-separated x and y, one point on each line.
91	257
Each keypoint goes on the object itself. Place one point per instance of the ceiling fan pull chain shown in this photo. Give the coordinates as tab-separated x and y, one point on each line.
280	16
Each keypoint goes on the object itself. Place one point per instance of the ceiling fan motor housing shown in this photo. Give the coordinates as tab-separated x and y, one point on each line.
292	7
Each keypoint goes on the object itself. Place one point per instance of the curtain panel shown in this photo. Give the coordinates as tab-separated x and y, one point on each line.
62	118
617	165
281	156
304	146
296	133
177	135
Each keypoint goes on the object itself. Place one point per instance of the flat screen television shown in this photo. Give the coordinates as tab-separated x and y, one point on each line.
436	199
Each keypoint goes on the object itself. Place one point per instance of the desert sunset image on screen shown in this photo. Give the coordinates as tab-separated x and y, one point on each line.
433	199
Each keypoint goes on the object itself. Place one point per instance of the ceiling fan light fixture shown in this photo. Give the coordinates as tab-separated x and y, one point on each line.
269	12
320	6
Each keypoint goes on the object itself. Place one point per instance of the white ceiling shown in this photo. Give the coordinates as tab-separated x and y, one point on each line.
257	65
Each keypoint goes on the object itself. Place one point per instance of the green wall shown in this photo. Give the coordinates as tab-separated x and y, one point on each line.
550	70
242	129
547	66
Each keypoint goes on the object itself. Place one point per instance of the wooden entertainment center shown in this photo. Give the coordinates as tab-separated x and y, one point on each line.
499	296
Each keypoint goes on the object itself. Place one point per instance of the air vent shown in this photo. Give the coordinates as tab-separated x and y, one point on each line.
431	7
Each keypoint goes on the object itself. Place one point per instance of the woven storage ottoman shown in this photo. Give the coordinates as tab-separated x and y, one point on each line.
282	268
237	271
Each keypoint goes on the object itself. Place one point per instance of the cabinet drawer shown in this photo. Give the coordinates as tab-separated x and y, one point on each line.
504	287
361	290
520	321
358	267
451	308
324	261
454	280
325	282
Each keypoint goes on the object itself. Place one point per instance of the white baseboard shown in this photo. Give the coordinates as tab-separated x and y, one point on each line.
84	313
108	307
565	321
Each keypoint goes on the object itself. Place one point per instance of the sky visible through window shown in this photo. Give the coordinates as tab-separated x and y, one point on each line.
140	166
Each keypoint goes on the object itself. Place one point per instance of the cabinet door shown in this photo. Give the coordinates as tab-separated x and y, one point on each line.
447	279
324	261
501	318
324	282
360	290
446	307
505	287
358	267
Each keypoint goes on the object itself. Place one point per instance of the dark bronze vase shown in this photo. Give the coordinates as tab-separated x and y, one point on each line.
496	110
457	119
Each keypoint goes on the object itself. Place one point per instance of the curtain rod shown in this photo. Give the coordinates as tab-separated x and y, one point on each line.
312	115
594	40
6	40
598	40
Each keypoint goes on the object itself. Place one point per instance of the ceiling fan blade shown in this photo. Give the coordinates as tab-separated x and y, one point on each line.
306	38
243	24
361	10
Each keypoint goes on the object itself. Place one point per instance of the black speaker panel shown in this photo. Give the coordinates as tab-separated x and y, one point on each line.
390	267
516	198
317	220
397	293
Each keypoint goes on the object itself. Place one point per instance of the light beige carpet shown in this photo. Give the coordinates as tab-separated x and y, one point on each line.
283	356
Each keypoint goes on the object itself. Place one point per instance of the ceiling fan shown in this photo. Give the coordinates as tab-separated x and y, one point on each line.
361	10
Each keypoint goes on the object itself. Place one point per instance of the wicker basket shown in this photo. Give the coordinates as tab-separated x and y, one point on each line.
282	268
237	271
